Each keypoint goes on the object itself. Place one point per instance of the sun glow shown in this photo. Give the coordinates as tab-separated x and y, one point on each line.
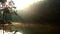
22	4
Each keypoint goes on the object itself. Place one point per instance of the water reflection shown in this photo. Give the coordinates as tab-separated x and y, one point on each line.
13	32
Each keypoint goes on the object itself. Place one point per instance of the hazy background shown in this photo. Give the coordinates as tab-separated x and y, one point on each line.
43	12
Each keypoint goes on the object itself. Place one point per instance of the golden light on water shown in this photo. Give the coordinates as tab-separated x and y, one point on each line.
22	4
